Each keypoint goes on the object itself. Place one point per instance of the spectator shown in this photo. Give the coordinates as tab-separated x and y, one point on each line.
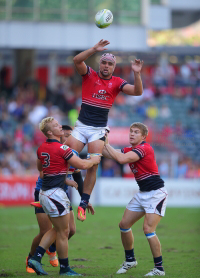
165	112
164	169
195	109
152	111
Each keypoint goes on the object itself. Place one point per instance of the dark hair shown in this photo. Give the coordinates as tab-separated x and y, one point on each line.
66	127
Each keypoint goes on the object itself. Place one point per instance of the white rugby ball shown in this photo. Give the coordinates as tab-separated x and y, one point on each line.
103	18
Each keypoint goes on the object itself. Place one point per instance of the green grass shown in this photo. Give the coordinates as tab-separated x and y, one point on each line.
98	242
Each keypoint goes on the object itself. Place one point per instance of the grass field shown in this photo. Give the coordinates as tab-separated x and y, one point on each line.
96	248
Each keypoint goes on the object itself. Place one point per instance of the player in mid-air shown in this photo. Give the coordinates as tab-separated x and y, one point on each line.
149	202
53	159
74	179
99	90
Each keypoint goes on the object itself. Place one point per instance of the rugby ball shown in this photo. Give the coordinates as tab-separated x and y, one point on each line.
103	18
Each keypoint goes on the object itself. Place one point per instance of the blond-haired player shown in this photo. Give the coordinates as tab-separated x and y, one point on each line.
53	159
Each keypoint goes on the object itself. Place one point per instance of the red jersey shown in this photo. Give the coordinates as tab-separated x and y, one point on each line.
145	169
53	156
98	95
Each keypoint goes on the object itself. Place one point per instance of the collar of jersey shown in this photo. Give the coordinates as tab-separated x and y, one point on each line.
104	78
52	140
140	144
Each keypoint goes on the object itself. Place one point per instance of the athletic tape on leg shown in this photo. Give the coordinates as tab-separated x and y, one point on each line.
150	235
125	230
92	154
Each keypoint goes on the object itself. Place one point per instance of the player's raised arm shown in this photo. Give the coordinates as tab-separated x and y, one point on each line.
121	157
81	57
137	88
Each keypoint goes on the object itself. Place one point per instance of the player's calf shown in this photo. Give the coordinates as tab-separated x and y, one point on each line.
130	261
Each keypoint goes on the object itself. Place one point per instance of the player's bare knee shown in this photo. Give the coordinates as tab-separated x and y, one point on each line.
147	229
123	225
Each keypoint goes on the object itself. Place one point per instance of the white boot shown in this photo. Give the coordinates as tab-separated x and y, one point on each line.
155	272
126	266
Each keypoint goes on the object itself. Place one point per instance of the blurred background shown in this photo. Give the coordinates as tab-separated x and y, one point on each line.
38	40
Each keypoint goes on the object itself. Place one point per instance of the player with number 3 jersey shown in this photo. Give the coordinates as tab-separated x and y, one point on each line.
53	159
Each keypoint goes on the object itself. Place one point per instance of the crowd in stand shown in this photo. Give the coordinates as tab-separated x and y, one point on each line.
23	106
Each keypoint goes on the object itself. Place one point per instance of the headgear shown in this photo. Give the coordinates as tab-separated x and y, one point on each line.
108	57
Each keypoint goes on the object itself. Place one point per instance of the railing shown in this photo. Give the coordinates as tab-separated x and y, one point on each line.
124	11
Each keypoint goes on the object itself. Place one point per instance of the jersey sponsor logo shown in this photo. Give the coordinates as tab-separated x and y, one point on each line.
102	92
64	147
101	95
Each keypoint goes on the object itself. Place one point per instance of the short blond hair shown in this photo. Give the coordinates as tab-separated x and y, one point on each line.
43	125
143	128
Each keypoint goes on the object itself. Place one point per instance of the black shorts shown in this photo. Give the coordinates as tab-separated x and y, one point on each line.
37	210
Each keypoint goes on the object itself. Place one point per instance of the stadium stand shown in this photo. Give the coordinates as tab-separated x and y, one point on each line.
169	104
125	12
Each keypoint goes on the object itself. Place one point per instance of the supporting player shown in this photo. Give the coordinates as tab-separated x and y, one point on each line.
149	202
53	159
43	221
99	90
44	225
73	174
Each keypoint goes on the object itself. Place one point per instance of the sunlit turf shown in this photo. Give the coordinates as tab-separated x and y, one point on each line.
96	248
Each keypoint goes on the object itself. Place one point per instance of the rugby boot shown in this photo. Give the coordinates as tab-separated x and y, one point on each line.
126	266
81	214
155	272
52	258
37	267
28	269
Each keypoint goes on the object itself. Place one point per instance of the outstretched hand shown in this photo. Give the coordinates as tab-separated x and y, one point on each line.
100	46
137	65
90	209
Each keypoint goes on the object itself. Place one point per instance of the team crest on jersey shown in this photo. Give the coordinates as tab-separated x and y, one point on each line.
64	147
109	85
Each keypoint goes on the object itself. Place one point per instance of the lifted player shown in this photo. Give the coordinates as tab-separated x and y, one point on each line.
99	90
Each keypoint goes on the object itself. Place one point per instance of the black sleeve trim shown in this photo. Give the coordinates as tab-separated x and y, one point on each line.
69	156
137	153
86	72
121	87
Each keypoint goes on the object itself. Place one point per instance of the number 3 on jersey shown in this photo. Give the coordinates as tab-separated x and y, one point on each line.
46	160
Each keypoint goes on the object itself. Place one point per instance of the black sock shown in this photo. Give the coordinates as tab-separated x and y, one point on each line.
84	200
39	253
158	263
52	248
64	263
29	256
129	254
